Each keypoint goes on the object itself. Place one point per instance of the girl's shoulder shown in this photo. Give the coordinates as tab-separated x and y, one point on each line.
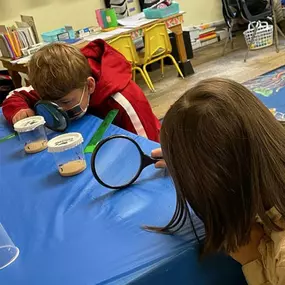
277	238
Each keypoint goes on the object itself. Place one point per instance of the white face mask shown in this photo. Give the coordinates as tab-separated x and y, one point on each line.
76	111
83	111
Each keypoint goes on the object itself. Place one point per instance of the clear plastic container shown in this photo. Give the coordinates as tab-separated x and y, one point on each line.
8	251
68	153
32	133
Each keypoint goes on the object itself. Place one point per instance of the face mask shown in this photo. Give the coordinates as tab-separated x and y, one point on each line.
76	111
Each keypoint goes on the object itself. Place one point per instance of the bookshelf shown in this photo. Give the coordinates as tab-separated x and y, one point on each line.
16	40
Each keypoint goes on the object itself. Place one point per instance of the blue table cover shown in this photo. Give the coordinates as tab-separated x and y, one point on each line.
73	231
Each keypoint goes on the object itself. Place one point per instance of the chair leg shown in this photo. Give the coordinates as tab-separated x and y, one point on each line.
229	37
280	32
251	42
275	30
162	67
145	79
226	43
176	65
134	74
143	76
148	78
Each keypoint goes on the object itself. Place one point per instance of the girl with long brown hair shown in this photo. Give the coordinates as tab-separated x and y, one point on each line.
226	155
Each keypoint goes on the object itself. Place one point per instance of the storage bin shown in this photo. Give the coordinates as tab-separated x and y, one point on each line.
162	13
263	37
58	35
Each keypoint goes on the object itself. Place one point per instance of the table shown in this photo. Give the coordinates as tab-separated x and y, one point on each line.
173	23
74	231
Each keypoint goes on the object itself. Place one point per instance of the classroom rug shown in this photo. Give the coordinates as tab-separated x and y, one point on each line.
270	88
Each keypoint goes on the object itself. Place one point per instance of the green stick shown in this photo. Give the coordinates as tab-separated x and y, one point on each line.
8	137
100	131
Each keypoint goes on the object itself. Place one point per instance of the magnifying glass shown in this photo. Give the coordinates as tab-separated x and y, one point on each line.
56	118
118	161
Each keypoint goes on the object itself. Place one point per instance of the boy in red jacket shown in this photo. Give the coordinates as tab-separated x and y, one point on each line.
97	79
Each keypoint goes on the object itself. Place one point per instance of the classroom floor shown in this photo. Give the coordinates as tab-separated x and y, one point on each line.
208	62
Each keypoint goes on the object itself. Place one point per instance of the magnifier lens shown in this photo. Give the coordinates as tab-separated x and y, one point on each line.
117	162
54	117
42	110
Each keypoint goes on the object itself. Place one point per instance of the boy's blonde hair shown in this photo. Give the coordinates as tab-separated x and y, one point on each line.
57	69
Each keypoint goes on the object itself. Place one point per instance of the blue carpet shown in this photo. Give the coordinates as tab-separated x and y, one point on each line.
270	88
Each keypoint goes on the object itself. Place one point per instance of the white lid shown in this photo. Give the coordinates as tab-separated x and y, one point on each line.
64	142
29	124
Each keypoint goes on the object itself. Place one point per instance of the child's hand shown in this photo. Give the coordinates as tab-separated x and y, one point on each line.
22	114
158	153
249	252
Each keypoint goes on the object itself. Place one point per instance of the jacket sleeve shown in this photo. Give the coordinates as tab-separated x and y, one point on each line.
136	113
270	269
19	99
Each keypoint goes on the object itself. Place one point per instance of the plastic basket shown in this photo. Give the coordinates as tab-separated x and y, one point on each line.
57	35
263	37
161	13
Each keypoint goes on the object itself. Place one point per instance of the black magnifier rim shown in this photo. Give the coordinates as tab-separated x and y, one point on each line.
59	109
99	145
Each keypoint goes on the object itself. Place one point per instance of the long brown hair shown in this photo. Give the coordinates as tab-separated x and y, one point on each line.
226	154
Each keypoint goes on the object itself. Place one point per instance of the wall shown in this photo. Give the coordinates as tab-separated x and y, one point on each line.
201	11
51	14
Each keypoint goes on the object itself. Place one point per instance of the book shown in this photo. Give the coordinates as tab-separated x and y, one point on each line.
104	19
209	42
17	38
207	30
208	38
8	37
23	39
4	47
207	35
16	44
99	18
9	45
30	21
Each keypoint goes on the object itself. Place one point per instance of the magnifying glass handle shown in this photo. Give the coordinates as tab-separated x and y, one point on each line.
147	160
157	158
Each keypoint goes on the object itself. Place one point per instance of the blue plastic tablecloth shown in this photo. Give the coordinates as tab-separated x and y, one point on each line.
74	231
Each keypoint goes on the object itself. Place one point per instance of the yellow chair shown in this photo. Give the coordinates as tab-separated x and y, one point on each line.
124	44
157	47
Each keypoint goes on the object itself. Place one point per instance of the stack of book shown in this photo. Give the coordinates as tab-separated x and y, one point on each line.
15	40
208	36
202	35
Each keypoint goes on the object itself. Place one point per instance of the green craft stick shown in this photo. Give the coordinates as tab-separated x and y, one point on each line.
7	137
100	131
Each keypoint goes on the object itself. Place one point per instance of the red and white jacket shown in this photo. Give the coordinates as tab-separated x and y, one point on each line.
114	90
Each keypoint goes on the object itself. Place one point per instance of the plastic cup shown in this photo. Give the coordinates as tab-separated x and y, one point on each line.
68	153
8	251
32	134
